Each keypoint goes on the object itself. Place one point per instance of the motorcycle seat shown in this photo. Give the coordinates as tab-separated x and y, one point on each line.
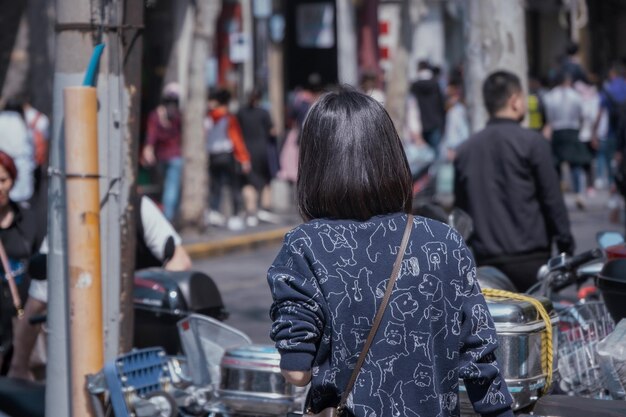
19	397
567	406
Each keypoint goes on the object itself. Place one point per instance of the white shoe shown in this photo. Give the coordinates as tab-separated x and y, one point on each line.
252	221
268	217
214	218
235	224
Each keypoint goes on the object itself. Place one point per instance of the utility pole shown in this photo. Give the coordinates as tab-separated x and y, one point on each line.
119	93
73	49
495	41
195	184
78	30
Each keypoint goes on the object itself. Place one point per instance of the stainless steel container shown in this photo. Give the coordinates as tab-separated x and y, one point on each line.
251	382
520	330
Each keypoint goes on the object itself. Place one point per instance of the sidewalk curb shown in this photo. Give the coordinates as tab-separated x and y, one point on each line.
209	249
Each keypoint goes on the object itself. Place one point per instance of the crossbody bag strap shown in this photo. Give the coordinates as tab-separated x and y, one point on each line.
379	314
17	301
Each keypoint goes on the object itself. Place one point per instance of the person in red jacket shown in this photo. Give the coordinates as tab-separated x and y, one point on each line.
163	147
228	159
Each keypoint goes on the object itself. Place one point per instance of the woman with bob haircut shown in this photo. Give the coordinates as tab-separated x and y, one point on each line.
327	282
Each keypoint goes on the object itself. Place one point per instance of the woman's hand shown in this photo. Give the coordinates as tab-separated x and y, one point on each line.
297	378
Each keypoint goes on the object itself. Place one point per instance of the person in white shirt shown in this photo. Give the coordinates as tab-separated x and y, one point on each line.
591	110
457	125
564	113
15	141
153	233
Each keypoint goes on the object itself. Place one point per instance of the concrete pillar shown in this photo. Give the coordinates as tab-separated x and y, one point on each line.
347	47
428	36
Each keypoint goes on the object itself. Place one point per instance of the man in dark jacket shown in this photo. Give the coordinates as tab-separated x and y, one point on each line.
505	179
431	105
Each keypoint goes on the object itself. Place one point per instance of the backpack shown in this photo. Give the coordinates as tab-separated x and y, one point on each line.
217	139
39	142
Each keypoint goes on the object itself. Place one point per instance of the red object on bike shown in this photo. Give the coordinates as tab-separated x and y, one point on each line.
586	292
616	252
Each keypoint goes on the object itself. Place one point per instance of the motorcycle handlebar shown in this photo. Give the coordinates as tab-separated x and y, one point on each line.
581	259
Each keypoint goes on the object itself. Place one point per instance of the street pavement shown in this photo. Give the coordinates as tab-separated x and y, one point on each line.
241	274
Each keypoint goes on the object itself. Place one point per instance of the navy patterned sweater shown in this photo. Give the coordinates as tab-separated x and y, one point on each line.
327	283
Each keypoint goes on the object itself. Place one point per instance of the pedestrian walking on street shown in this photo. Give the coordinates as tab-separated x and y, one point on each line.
564	111
506	181
17	143
20	235
429	97
258	130
613	105
164	148
327	282
298	109
228	160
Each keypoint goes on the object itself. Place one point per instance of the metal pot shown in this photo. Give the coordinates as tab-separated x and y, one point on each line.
251	382
520	330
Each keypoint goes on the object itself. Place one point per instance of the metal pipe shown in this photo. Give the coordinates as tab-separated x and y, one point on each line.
83	227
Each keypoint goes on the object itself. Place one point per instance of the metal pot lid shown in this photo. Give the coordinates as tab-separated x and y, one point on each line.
252	355
508	311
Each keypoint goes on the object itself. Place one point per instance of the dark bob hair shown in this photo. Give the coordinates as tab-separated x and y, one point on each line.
498	88
352	163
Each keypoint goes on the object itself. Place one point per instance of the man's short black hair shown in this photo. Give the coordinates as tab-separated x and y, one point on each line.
572	49
352	164
221	95
498	88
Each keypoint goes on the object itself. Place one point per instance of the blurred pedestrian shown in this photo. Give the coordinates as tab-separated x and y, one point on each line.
457	123
591	109
39	128
613	105
154	235
164	147
456	132
505	179
21	235
536	108
258	130
16	142
228	160
564	112
297	110
429	97
369	86
572	64
354	195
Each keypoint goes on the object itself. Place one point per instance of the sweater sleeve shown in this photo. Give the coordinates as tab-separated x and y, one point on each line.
485	386
297	315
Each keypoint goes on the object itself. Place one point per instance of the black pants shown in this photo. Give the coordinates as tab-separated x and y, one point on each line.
223	172
520	269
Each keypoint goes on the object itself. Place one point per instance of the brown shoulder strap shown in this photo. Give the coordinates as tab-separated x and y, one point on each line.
379	313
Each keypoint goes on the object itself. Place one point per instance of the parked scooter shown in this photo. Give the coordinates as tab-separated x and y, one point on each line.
161	299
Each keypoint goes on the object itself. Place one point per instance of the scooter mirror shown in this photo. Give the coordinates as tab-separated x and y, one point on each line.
608	239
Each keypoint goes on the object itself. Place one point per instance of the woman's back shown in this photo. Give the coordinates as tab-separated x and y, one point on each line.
328	280
414	362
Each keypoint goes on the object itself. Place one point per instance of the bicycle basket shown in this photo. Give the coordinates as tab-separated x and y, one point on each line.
581	327
204	342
